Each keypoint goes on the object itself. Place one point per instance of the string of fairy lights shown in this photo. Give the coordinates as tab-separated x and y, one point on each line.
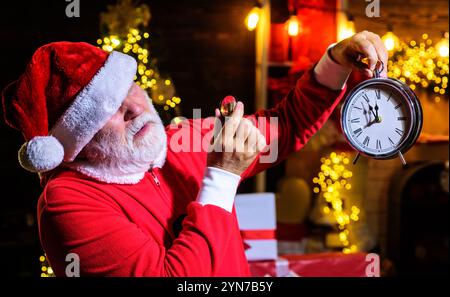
46	270
148	77
331	182
420	64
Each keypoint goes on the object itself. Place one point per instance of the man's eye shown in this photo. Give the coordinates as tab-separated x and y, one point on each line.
122	109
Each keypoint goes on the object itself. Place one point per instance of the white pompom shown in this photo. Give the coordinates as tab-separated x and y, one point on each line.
41	153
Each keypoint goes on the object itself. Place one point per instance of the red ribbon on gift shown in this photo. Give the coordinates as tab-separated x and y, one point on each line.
256	234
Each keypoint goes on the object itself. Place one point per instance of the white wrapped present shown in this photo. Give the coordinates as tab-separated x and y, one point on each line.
256	216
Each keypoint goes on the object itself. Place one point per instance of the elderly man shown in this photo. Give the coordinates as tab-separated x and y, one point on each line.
117	196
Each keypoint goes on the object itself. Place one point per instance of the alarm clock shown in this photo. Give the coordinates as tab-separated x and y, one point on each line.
381	118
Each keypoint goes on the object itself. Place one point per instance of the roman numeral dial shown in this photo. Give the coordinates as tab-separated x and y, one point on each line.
366	141
376	120
379	144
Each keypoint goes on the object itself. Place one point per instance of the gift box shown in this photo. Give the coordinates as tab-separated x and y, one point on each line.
319	265
257	221
291	238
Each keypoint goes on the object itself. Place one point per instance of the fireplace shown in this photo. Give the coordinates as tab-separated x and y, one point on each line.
417	234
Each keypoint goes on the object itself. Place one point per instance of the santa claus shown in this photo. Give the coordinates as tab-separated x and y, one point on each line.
115	193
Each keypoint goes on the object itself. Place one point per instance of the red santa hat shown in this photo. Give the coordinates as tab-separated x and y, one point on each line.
66	95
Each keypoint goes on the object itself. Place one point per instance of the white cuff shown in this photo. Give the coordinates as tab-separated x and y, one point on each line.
331	74
218	188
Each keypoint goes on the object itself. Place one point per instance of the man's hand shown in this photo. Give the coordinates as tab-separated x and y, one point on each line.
235	145
350	51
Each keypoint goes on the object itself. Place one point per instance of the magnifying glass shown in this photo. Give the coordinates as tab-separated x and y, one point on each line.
227	106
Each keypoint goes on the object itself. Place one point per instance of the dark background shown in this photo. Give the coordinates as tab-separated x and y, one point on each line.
202	44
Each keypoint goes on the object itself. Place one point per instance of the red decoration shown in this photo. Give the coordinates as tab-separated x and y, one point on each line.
314	265
256	234
318	28
291	232
279	43
317	31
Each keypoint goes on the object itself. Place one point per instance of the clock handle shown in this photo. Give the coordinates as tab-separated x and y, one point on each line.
376	71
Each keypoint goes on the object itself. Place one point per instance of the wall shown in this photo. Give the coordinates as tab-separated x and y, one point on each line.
409	18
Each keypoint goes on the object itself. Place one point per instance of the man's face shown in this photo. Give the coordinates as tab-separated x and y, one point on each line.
132	138
135	105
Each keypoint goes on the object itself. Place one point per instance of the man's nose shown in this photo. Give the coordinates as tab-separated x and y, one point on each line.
133	111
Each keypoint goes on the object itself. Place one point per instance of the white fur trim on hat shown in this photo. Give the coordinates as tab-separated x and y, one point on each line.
95	104
41	153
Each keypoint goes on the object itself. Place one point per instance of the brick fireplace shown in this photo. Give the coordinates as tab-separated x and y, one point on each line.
380	176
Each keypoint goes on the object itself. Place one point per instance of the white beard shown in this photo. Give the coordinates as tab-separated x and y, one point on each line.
108	159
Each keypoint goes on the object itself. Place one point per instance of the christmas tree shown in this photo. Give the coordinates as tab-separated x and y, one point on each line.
125	29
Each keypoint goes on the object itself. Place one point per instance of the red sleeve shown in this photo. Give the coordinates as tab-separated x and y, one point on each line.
300	115
109	244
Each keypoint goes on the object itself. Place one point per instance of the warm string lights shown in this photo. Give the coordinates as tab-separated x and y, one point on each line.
331	181
254	16
148	77
46	270
420	64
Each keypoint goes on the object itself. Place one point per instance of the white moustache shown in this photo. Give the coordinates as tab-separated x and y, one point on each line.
140	122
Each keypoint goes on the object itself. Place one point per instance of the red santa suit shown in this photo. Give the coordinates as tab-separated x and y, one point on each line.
177	220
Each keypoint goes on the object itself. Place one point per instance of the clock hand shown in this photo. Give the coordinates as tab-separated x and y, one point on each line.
365	113
377	118
369	124
371	109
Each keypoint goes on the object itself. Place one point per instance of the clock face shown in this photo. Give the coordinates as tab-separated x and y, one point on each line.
379	119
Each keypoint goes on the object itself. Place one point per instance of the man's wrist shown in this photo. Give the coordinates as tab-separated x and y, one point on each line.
330	73
218	188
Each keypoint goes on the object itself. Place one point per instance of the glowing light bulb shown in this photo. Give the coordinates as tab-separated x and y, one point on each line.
390	40
252	19
115	41
293	26
348	30
442	46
